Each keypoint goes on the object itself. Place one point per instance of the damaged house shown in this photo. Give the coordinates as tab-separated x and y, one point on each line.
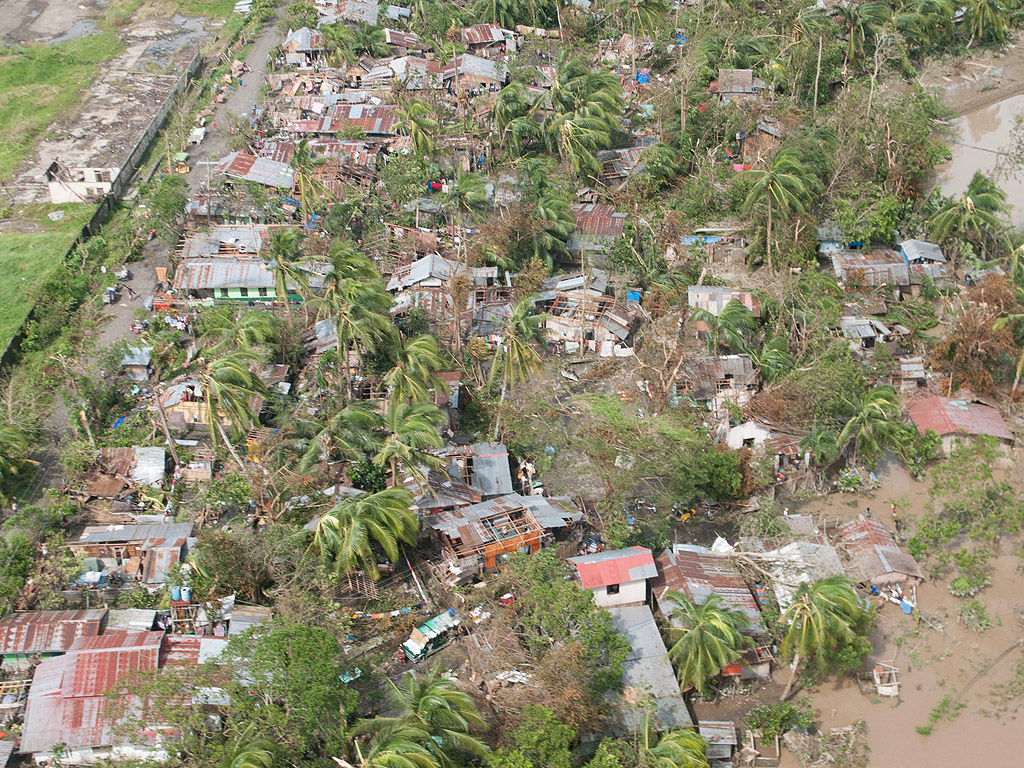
874	556
601	322
597	228
954	419
488	40
143	553
724	374
116	470
714	299
24	634
482	536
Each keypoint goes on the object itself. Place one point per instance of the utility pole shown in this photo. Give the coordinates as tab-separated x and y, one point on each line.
88	431
583	301
817	75
167	432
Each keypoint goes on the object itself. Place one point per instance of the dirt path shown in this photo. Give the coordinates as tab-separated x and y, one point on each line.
118	317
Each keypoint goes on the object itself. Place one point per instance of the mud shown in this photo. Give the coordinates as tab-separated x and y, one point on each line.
23	21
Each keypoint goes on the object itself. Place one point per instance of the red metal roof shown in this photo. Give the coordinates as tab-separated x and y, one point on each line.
598	220
947	417
701	573
482	34
874	555
372	119
47	631
97	663
618	566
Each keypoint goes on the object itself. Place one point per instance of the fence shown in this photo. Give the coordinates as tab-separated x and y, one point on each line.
117	188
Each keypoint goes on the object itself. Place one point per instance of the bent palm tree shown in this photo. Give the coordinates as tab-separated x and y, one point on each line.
708	641
515	357
283	251
345	536
14	445
730	328
821	618
253	753
314	195
416	122
414	376
683	748
784	187
232	392
350	433
398	746
410	428
222	331
871	421
437	706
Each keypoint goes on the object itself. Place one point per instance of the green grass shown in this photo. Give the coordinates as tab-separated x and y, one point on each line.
28	257
211	9
42	83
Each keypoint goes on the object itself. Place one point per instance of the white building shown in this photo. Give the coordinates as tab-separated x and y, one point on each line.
618	576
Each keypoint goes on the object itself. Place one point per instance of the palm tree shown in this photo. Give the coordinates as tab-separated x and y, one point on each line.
683	748
977	214
252	753
862	21
223	331
822	444
409	429
231	391
398	746
437	706
370	40
416	122
820	619
986	21
708	641
15	443
785	186
345	536
283	251
642	15
516	357
313	193
513	116
775	360
351	433
660	162
467	195
340	44
730	328
871	421
414	376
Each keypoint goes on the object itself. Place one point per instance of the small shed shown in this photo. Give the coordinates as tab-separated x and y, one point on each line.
874	556
952	418
714	299
24	634
725	372
136	363
616	576
875	268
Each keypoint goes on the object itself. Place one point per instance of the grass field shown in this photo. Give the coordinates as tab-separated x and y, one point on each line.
42	83
27	257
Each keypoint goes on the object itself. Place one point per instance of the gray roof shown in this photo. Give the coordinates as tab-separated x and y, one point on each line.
245	616
6	750
261	170
596	280
150	464
133	619
113	534
555	512
173	393
302	40
801	562
856	327
244	239
430	266
475	66
211	647
210	274
871	268
647	669
137	356
491	474
920	249
359	10
395	13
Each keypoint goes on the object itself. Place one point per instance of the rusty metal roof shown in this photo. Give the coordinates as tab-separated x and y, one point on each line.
474	525
403	39
47	631
874	555
475	68
948	417
698	573
66	703
482	34
210	274
598	220
359	10
615	566
373	120
261	170
873	268
123	534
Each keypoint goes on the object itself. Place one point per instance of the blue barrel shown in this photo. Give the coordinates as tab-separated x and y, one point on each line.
186	594
175	593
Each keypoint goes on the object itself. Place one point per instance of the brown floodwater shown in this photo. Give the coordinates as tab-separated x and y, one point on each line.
982	139
933	664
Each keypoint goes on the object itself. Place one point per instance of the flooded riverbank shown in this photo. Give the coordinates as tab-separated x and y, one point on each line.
981	141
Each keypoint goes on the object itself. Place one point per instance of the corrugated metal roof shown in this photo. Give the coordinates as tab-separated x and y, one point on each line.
715	298
482	34
210	274
27	632
874	556
303	40
598	220
402	39
914	250
233	239
359	10
554	512
97	663
261	170
801	562
471	525
137	356
120	534
873	268
490	473
698	573
615	566
738	370
373	120
856	327
947	417
131	619
475	69
6	750
911	367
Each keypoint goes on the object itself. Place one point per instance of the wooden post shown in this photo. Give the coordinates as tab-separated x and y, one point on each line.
88	431
167	432
817	75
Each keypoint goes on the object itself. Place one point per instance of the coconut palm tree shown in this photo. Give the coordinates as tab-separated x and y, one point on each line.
15	444
775	360
231	392
820	619
872	420
345	536
784	187
823	445
730	329
986	21
862	22
414	377
513	117
283	252
683	748
643	16
398	746
410	428
437	706
314	195
706	638
369	39
252	753
350	433
976	215
516	357
417	122
660	162
223	330
340	44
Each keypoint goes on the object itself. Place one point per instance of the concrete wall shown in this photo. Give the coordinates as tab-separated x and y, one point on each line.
630	593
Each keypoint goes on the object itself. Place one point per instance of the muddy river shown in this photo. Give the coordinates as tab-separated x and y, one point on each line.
980	140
